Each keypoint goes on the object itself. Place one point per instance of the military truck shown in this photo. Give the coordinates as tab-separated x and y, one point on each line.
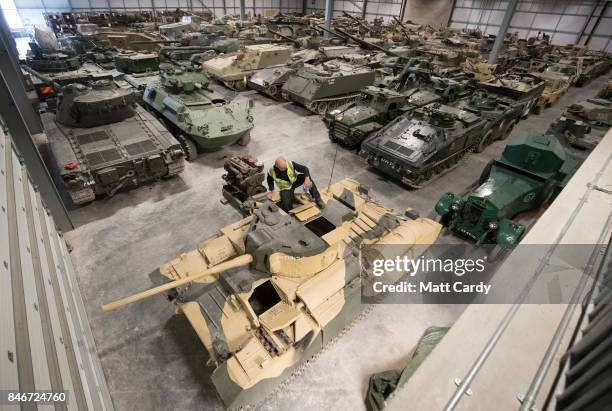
234	69
327	86
415	147
201	119
271	290
531	172
102	141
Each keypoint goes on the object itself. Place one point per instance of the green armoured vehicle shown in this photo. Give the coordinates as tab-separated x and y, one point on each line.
102	141
268	292
200	118
530	173
327	86
415	147
131	62
371	111
414	87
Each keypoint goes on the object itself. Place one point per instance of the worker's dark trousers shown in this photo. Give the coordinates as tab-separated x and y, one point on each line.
287	195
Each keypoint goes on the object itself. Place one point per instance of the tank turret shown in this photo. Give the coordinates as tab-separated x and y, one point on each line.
83	107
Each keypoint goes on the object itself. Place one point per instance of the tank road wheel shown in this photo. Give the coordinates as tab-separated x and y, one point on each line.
245	139
189	147
322	108
312	106
240	85
484	142
273	90
231	85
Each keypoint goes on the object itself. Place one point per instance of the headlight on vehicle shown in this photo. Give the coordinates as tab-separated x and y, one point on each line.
335	112
493	225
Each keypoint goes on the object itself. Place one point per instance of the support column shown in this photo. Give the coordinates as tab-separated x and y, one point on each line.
596	26
329	14
503	29
242	10
365	9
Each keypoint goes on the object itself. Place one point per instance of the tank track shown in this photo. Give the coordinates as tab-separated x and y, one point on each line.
438	169
306	364
323	105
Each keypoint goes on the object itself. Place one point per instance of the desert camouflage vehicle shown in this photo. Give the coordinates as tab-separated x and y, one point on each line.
555	86
235	68
269	291
200	118
479	69
102	141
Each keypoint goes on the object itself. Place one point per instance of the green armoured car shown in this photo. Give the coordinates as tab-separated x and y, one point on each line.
530	173
200	118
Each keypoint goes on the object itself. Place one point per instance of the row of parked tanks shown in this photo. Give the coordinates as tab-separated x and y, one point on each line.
110	130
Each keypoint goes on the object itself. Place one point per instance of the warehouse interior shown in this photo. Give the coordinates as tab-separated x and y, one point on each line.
502	106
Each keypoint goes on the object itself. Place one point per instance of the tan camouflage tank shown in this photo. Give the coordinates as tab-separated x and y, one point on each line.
235	68
269	291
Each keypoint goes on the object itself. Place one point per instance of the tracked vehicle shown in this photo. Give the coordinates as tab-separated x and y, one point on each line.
415	147
555	86
132	62
102	141
234	69
271	290
585	123
523	89
530	173
200	118
327	86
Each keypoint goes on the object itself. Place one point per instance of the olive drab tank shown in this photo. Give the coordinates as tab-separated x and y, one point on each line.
327	86
271	290
200	118
102	141
235	68
415	147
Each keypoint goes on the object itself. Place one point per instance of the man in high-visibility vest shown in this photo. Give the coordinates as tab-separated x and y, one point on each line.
289	175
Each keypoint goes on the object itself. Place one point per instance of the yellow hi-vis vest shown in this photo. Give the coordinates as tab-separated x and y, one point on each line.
284	184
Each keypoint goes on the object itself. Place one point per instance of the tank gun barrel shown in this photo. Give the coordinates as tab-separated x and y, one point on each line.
43	77
281	35
356	20
333	33
367	44
239	261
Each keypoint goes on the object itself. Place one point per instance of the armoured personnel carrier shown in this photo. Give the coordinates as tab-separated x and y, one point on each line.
530	173
200	118
234	69
592	67
130	62
327	86
102	141
271	290
523	89
415	147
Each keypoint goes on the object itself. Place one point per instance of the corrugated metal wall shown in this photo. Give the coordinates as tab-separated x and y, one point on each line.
563	20
375	8
45	340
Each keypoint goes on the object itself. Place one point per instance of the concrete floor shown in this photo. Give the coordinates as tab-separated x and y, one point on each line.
152	358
